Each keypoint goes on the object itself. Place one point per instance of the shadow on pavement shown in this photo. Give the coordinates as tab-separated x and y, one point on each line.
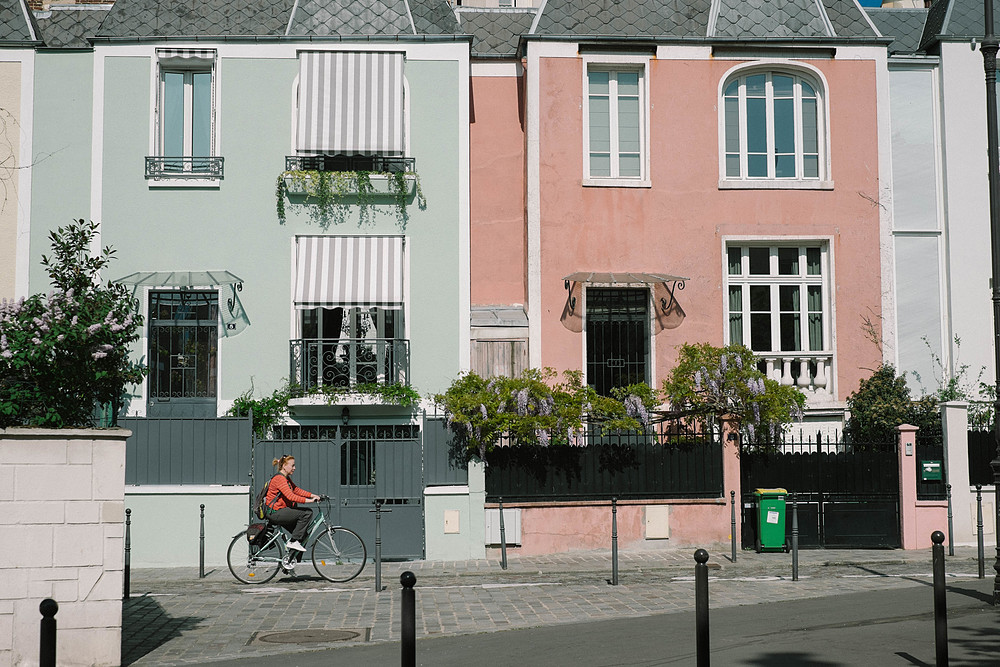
146	627
791	658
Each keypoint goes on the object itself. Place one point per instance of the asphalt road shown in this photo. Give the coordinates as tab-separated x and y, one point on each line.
882	628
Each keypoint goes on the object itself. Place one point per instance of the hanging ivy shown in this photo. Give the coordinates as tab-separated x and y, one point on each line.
331	194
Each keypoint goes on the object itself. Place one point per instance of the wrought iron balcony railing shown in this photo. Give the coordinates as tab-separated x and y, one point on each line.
375	163
184	167
347	362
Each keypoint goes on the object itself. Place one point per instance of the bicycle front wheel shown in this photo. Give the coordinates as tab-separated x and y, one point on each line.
251	564
338	554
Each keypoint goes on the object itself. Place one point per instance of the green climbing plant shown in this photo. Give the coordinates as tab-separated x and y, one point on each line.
331	193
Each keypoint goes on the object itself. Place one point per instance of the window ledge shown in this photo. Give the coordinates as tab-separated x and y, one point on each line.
186	182
733	184
615	183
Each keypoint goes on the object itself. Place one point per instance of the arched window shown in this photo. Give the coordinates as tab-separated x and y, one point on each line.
774	127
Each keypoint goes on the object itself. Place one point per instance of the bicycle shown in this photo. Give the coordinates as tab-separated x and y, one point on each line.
338	553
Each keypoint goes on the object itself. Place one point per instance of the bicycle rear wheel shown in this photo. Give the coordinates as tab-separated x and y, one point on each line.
338	554
251	564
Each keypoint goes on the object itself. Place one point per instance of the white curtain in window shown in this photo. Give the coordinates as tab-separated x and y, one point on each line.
349	271
350	102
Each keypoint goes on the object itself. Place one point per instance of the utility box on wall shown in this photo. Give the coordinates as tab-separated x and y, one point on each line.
511	526
657	522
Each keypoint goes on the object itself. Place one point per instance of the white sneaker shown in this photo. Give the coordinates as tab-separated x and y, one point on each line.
294	544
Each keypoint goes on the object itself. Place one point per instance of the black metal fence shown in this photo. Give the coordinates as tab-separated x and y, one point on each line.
375	163
670	463
346	362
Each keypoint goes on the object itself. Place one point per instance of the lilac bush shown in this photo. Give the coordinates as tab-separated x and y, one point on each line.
66	354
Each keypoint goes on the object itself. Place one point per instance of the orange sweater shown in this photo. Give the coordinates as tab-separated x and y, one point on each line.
282	492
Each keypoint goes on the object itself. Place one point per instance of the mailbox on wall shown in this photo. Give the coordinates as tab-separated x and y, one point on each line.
930	471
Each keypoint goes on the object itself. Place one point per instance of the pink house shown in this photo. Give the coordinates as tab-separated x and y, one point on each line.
650	174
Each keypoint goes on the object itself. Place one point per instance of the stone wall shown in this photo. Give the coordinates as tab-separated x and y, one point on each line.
62	510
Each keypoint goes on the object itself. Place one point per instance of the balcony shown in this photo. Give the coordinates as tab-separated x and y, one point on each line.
164	168
345	363
370	163
811	372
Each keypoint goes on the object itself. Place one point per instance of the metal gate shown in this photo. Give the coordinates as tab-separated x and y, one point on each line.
847	495
357	466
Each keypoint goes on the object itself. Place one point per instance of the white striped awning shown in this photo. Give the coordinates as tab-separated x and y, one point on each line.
350	102
185	57
348	270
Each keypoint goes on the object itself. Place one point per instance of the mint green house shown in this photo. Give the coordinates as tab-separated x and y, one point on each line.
287	188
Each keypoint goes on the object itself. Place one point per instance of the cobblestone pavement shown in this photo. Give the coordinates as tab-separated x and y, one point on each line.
174	618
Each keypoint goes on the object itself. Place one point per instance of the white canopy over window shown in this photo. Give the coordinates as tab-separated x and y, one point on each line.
348	271
350	102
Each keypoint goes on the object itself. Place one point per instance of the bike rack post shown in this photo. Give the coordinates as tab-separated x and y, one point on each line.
408	621
732	522
701	607
128	553
795	537
940	605
503	540
951	527
614	542
979	530
47	643
201	545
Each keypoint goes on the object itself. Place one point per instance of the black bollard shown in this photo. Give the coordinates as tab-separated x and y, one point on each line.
408	626
128	552
701	607
979	530
951	526
503	540
378	544
940	605
795	537
614	541
201	546
732	522
47	644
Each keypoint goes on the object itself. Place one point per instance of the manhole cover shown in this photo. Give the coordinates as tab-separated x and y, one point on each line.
308	636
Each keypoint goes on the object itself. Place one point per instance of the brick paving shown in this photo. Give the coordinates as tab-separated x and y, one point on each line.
175	618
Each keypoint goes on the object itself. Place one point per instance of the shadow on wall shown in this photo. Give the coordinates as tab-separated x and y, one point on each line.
668	313
146	627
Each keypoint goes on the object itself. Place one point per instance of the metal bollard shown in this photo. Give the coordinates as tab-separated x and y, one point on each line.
979	530
503	540
47	644
128	552
732	522
951	526
701	607
614	541
408	622
940	605
378	544
795	537
201	546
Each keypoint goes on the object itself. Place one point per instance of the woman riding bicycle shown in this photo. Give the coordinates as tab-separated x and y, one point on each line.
282	500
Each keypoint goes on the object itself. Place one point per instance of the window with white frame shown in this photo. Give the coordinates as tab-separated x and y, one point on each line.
777	297
615	122
185	115
773	127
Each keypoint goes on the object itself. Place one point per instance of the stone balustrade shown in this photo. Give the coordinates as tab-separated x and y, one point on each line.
811	372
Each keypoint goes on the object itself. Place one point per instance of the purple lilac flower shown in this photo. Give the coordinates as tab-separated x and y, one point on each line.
94	328
543	437
483	411
99	355
723	363
739	361
522	402
546	405
697	380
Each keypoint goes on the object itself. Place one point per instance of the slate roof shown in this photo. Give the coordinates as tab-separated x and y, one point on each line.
760	18
195	18
495	32
351	17
905	26
433	17
70	25
960	19
633	18
17	23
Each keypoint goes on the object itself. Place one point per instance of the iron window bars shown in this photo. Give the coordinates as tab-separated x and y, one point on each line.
184	167
339	162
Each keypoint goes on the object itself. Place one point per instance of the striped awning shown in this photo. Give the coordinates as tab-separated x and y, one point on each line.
185	57
350	102
349	270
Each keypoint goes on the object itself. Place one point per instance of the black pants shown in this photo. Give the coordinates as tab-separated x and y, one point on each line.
295	519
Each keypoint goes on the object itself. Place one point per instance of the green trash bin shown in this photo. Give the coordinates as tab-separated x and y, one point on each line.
770	519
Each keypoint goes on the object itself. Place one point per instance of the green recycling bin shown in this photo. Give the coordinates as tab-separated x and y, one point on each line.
770	519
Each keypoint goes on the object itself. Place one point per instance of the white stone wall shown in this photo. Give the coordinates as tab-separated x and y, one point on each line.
62	511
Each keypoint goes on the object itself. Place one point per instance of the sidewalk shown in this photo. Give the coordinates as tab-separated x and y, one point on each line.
175	618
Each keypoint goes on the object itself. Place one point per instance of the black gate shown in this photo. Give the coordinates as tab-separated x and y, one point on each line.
355	466
847	495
